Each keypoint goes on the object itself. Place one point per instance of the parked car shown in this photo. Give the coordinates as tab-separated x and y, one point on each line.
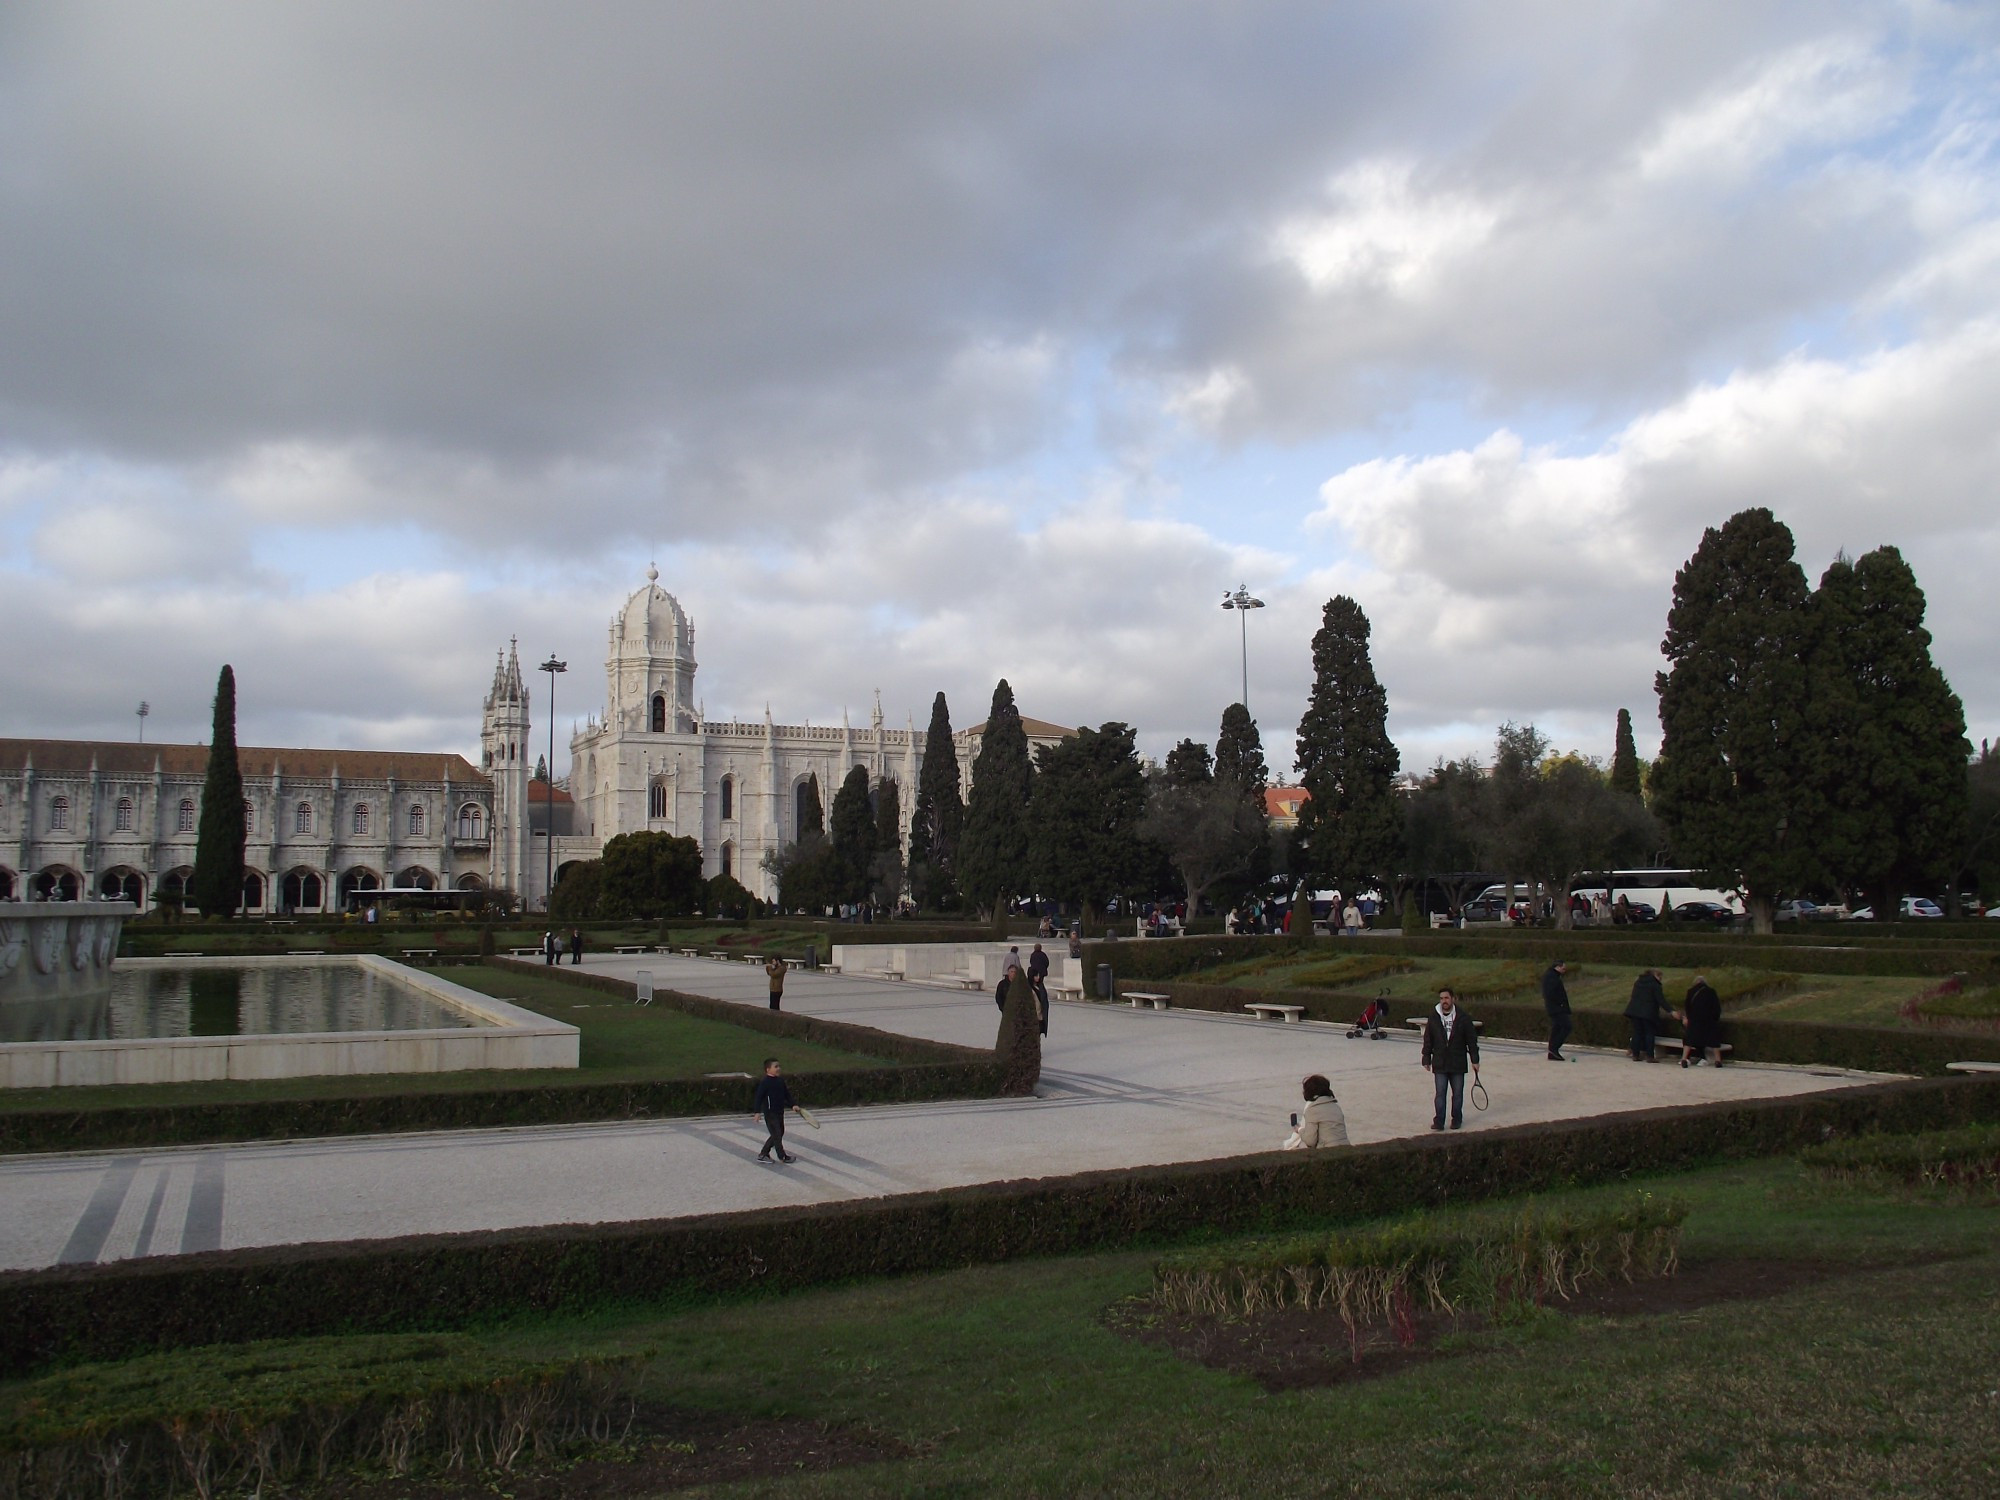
1921	906
1795	911
1704	911
1484	909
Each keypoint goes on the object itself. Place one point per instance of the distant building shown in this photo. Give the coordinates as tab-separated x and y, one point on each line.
79	818
1282	804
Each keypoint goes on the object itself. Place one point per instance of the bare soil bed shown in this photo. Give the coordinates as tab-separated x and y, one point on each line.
1297	1348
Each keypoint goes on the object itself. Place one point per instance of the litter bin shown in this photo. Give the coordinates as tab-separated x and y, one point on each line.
644	987
1104	989
812	956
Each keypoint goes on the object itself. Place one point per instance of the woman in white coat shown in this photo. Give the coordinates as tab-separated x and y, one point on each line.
1322	1124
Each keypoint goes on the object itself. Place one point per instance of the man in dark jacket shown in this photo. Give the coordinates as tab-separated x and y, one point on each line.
1555	1000
772	1099
1646	1009
1451	1044
1038	976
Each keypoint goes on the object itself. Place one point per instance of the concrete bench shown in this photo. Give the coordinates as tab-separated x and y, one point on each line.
686	952
1142	998
630	948
1292	1014
969	981
420	953
526	953
1973	1067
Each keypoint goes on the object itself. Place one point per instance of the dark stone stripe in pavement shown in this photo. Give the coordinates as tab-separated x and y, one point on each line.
86	1241
203	1229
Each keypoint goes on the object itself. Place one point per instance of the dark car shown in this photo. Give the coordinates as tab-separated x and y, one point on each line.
1485	909
1703	911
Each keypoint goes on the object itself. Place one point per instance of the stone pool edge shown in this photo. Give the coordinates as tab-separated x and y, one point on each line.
507	1037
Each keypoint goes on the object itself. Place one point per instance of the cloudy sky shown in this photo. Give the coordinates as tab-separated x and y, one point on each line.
924	344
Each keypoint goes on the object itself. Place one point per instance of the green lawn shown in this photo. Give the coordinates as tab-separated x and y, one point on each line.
1595	984
1006	1380
619	1043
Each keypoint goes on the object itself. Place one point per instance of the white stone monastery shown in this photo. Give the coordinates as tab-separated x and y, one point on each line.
82	818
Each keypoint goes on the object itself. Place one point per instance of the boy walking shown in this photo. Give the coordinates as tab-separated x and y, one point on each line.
773	1098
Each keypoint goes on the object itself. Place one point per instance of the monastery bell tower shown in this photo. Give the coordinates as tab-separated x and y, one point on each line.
649	669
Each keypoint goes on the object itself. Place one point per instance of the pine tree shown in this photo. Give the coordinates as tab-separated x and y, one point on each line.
217	885
937	820
993	853
1890	733
1188	764
853	836
1625	759
1734	782
1084	814
1350	829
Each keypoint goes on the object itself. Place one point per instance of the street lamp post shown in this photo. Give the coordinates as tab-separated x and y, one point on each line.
1242	603
552	667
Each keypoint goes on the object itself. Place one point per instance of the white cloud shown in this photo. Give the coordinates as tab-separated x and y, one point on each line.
1384	231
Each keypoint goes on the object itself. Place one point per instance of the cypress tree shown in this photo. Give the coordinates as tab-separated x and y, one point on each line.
1892	752
853	835
1089	797
1625	758
1350	829
217	886
937	820
885	867
812	816
1734	782
1239	756
993	853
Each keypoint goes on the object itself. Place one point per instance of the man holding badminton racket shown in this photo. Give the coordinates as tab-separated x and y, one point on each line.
1451	1044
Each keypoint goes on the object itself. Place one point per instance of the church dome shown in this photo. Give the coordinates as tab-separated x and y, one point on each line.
652	614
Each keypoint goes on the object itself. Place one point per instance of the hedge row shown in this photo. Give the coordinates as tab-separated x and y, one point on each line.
929	1071
114	1311
1168	958
1874	1049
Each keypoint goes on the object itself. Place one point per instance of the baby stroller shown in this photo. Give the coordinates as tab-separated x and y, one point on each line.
1370	1024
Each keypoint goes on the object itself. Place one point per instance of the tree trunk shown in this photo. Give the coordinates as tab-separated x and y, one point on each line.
1760	907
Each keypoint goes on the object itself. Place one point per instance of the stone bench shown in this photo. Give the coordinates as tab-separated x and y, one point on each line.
631	948
526	953
686	952
1291	1014
1142	998
1973	1067
420	953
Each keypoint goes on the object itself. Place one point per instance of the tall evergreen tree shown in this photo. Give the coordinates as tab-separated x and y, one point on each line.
1978	857
885	868
1089	796
1350	828
1890	733
812	812
217	886
993	853
1625	759
1188	764
1239	758
853	837
937	819
1734	784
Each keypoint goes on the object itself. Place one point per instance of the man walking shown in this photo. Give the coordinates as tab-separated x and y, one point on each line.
773	1098
576	945
774	970
1555	1000
1645	1009
1451	1044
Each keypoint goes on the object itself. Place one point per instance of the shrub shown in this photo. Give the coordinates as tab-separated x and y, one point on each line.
257	1415
1964	1158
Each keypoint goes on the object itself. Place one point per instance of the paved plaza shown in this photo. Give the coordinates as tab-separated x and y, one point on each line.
1119	1088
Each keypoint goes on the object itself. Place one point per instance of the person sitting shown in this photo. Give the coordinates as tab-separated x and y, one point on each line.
1322	1124
1370	1024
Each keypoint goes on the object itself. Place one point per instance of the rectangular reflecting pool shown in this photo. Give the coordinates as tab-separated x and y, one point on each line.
189	1019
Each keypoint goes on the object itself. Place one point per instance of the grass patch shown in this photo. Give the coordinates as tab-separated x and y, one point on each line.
1006	1380
1948	1160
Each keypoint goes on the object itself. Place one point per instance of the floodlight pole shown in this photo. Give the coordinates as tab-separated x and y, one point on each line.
553	668
142	710
1242	603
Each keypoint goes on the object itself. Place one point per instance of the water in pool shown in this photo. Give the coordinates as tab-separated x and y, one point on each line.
253	1001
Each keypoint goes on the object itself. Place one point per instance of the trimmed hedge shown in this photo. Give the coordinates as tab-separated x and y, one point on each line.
1871	1049
70	1313
1169	958
930	1070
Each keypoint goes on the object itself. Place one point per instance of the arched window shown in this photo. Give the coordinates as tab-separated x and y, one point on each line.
6	885
253	890
728	798
303	891
184	816
659	713
729	859
123	821
361	817
416	820
59	813
249	817
471	821
302	822
656	800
